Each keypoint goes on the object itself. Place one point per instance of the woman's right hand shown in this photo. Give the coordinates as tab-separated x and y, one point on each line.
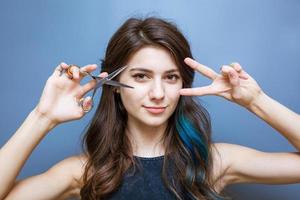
60	98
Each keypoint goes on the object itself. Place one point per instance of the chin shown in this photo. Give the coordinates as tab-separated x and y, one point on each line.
154	122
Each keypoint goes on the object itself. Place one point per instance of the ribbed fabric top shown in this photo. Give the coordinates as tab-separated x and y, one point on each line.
146	183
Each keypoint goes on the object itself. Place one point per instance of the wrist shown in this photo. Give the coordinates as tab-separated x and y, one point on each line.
256	106
43	119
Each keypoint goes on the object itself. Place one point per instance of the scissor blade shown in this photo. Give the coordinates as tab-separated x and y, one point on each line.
100	83
109	77
115	73
118	84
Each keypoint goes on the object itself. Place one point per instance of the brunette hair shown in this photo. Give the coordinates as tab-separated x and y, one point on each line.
187	138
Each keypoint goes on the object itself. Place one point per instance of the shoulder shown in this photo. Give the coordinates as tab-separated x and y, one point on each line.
61	181
73	165
71	168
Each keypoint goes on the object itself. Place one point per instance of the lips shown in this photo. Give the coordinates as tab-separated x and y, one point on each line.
155	109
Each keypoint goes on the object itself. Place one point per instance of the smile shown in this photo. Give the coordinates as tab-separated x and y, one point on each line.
155	110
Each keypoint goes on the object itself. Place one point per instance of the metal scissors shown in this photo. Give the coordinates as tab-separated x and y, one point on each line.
107	80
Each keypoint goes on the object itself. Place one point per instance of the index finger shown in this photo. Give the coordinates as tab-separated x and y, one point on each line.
199	91
204	70
88	68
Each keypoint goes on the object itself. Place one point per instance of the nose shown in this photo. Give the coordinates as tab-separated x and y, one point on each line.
157	91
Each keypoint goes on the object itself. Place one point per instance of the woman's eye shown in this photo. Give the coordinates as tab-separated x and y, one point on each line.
173	77
139	76
143	77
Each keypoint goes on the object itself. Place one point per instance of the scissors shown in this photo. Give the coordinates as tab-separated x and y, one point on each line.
103	81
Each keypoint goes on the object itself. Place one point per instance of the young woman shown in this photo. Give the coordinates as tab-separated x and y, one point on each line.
153	141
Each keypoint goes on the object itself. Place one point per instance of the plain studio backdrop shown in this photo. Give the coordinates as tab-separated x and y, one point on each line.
264	36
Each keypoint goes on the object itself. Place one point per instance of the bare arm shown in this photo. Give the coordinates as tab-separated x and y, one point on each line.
58	104
62	181
284	120
16	151
236	85
238	164
248	165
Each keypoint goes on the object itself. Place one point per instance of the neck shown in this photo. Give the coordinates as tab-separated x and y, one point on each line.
146	141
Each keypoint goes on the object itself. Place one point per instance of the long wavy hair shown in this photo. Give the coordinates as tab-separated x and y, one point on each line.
187	138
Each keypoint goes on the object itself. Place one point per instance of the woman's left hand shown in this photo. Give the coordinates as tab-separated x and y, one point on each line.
233	83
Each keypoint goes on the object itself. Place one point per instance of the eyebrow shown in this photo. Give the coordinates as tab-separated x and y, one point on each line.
149	71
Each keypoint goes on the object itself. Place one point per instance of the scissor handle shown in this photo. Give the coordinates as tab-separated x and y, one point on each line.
84	73
69	70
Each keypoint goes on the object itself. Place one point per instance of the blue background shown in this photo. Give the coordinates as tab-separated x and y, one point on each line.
264	36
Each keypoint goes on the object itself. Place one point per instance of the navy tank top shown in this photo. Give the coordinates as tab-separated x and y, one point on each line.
144	183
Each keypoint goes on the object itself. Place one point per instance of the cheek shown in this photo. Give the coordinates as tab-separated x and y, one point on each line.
174	96
132	97
173	92
137	92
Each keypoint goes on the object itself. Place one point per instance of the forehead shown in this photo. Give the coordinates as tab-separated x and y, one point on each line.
152	58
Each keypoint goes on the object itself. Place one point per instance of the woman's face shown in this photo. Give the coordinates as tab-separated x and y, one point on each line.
156	81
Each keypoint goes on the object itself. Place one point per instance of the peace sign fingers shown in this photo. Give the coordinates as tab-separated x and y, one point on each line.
222	83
